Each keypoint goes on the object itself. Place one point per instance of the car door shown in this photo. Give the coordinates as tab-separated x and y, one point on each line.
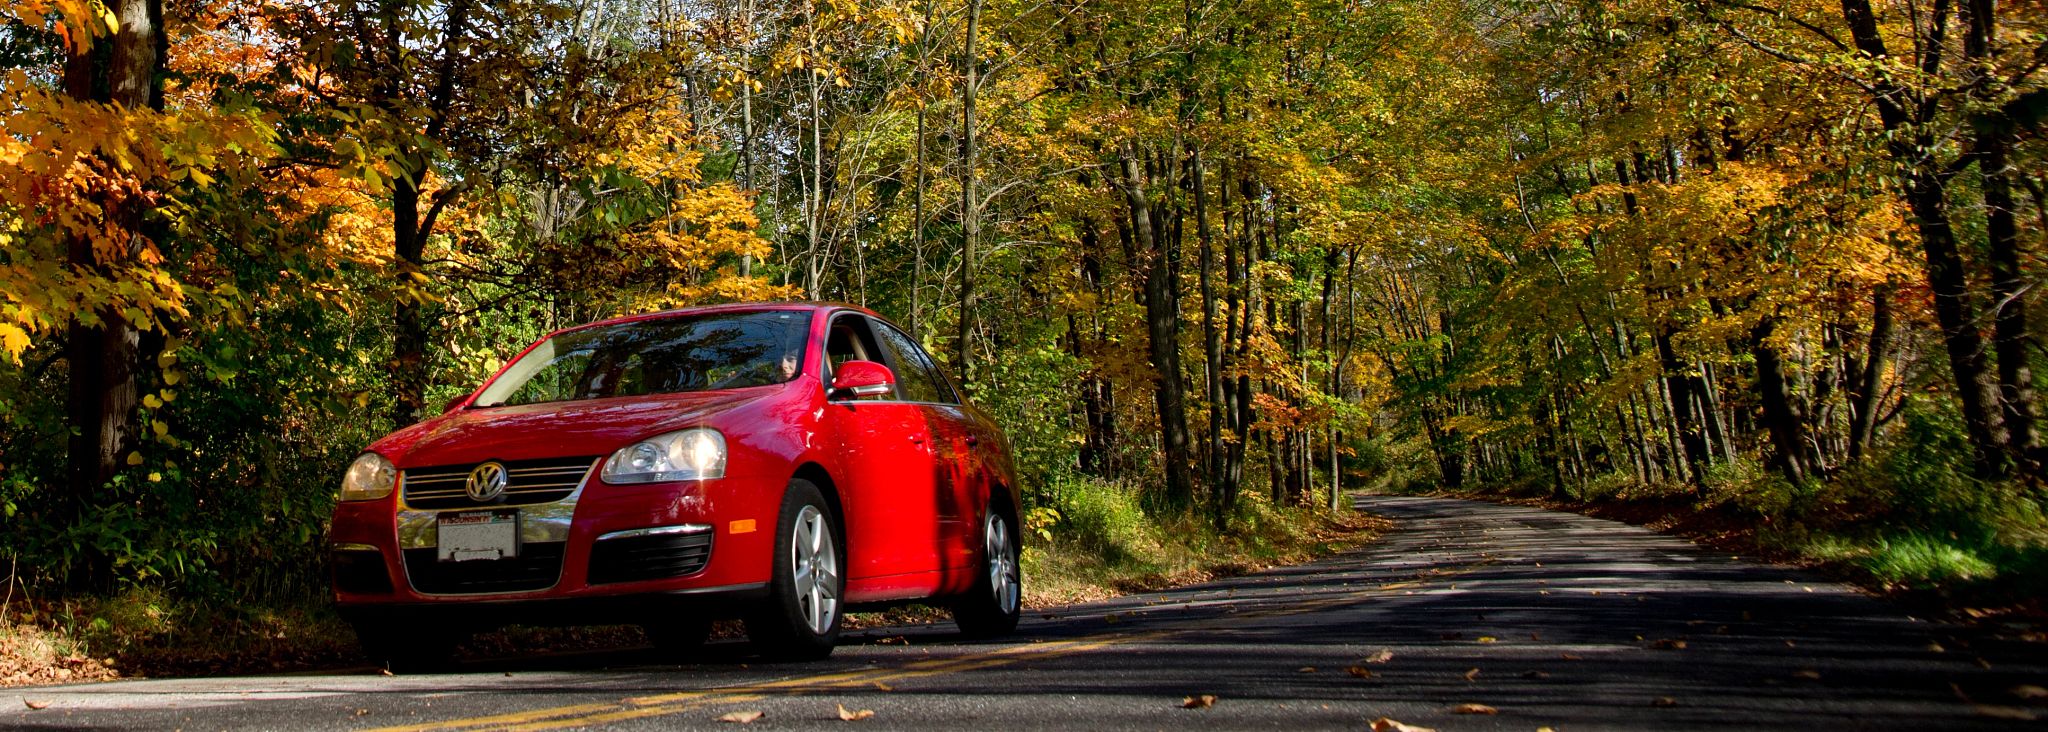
885	450
958	478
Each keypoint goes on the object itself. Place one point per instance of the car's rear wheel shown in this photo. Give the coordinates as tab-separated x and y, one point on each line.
993	606
800	620
407	649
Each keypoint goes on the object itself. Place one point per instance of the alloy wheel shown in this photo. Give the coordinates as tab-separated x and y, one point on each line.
815	563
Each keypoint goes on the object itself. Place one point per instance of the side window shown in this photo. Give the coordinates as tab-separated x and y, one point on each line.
849	340
916	379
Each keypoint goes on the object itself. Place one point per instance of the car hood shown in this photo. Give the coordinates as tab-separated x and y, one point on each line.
588	428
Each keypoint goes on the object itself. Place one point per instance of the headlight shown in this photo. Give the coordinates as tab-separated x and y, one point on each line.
369	478
697	454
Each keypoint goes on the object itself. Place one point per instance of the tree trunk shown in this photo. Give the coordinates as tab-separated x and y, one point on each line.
1782	419
1867	384
2010	338
1162	330
970	210
101	395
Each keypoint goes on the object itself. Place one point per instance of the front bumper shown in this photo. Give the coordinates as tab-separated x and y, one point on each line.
604	554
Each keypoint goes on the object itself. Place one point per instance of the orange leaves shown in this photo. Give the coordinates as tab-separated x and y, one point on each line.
76	22
78	172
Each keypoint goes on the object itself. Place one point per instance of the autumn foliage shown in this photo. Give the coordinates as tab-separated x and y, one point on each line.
1220	255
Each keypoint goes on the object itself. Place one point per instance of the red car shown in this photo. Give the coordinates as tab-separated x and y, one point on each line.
779	463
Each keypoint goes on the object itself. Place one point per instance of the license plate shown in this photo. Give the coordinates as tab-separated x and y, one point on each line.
478	535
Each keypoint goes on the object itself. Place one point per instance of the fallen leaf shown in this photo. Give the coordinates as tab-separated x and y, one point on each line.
362	712
1384	724
33	704
884	687
849	715
1807	673
894	640
1535	637
386	672
1998	712
1663	701
1305	670
1669	644
1488	639
1360	672
1383	655
1535	675
2029	691
1203	701
1936	648
1569	656
1472	674
746	717
1470	708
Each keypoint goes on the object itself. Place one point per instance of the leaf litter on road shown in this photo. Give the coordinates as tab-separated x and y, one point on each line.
36	703
1384	724
1199	701
742	717
1383	655
852	715
1473	708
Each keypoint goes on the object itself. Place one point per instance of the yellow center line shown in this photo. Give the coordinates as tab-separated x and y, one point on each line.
584	715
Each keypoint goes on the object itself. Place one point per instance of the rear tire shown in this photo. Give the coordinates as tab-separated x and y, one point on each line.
407	649
994	605
800	620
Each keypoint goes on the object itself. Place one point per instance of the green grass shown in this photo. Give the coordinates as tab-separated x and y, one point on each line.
1093	539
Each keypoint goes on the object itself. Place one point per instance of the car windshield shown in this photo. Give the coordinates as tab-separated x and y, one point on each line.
657	356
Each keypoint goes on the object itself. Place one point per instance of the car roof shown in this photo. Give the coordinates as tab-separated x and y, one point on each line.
735	307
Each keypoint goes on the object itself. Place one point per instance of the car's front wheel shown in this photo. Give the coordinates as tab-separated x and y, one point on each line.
800	620
993	606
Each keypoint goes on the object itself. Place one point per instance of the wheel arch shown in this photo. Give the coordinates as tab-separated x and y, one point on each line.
818	476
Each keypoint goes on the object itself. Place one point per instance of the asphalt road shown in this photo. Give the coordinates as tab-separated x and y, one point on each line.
1550	619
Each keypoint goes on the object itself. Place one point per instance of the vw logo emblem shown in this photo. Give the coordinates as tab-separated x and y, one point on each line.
486	482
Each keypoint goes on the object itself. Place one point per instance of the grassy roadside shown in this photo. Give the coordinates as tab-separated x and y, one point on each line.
1095	542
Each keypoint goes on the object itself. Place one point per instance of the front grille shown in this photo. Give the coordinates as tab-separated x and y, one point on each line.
649	557
537	567
361	572
527	482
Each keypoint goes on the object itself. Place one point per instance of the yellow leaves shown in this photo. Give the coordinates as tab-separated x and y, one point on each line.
13	340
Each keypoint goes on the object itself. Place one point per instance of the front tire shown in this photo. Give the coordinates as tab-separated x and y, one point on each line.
994	605
800	620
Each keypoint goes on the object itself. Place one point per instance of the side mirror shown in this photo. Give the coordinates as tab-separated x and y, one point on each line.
863	379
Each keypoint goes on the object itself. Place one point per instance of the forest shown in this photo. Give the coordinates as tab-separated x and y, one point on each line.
1769	258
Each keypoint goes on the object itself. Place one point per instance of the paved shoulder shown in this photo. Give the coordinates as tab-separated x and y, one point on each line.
1467	615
